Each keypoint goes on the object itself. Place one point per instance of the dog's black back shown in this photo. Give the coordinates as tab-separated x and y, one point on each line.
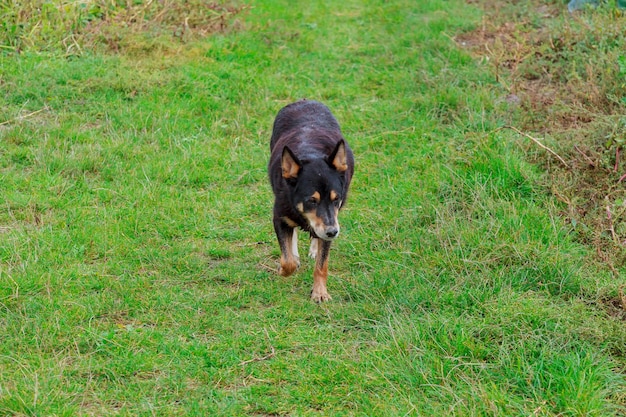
301	116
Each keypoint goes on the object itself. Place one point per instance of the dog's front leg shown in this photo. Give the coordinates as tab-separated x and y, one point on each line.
286	235
320	274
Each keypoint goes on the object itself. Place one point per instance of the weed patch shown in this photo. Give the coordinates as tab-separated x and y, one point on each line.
566	73
130	26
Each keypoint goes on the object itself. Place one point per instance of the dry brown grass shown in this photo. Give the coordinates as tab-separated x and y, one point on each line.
115	25
564	71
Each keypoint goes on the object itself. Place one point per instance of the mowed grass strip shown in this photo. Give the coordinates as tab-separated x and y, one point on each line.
137	257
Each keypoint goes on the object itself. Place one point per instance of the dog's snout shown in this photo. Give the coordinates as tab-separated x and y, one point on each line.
332	232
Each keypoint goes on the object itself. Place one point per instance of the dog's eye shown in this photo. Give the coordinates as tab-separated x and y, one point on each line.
313	201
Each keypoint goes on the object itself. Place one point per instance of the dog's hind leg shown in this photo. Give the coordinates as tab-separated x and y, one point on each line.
320	274
313	248
294	245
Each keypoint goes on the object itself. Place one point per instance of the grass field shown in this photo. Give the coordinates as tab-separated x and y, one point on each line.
138	260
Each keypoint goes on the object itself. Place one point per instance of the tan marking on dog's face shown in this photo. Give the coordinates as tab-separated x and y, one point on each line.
334	197
314	221
317	224
309	210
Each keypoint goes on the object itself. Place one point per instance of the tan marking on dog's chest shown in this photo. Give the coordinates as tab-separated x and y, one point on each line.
289	222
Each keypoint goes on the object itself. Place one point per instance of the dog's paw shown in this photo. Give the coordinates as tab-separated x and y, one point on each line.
288	268
320	295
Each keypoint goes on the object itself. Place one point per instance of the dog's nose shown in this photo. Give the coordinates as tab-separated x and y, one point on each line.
332	232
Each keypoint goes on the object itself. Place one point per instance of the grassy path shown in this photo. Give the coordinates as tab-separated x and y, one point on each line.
137	257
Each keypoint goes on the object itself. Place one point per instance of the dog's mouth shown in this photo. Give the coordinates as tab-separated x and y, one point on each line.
327	233
323	227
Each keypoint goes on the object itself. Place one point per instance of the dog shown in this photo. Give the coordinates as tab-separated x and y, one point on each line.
310	169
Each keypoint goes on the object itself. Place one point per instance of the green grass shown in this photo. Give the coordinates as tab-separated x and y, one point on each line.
137	256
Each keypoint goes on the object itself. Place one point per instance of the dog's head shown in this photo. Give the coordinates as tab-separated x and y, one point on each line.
318	188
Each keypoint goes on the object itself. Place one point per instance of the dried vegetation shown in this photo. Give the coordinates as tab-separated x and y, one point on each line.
115	25
567	73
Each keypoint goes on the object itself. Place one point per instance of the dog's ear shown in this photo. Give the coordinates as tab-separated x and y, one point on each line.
338	158
291	165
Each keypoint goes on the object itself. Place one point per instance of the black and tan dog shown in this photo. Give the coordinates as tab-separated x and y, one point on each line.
310	169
